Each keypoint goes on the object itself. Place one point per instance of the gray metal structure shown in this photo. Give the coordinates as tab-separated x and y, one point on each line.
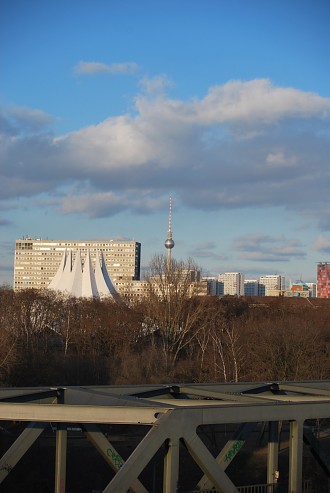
170	415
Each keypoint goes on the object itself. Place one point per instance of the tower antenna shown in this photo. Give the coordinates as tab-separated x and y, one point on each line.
169	243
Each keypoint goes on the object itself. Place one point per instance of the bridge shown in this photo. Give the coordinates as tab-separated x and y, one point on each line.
167	421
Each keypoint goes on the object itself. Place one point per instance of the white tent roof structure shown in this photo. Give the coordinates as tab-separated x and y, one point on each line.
83	281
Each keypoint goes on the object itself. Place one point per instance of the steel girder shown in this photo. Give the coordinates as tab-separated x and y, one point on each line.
173	414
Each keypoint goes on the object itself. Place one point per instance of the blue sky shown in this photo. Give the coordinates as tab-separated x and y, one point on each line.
109	107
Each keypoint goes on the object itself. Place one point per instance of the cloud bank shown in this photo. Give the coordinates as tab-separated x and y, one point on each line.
245	144
268	248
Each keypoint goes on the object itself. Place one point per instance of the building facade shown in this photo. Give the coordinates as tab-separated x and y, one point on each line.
270	283
312	289
323	280
233	283
251	287
214	287
37	260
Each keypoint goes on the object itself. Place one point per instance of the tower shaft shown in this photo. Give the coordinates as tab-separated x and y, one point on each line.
169	243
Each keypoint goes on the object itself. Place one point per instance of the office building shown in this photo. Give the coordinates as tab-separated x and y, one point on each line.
214	287
251	287
270	284
233	283
37	260
323	280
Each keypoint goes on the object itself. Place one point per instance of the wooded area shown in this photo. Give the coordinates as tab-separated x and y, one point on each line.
49	339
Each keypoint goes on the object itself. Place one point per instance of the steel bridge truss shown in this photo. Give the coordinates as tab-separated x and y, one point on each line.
171	415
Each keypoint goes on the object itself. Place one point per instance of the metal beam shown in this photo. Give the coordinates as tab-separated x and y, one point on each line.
60	459
141	456
109	453
217	413
178	419
302	389
66	413
205	460
49	395
229	452
225	396
295	456
21	445
171	466
272	458
317	450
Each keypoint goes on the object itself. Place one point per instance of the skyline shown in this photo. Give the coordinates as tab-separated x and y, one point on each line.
107	109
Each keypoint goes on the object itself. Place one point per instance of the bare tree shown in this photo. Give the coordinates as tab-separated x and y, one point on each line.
173	313
220	346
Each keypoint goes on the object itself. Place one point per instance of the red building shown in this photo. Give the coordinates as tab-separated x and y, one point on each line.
323	280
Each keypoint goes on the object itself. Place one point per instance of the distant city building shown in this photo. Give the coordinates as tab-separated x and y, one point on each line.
261	289
298	286
298	289
323	280
312	286
271	283
214	287
220	288
251	287
133	291
233	283
37	260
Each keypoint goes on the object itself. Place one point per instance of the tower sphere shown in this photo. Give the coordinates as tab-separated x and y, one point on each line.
169	243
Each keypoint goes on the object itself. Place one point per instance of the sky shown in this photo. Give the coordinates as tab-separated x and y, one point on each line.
108	108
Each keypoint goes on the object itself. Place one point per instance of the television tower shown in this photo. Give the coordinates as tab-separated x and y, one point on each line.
169	243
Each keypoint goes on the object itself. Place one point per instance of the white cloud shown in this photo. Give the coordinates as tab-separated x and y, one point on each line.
279	159
259	100
243	103
191	147
321	244
261	248
17	119
96	68
99	204
156	84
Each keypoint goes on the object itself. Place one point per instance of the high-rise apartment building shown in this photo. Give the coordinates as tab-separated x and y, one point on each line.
37	260
271	283
233	283
323	280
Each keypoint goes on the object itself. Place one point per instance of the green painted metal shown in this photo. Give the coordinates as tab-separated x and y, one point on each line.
229	452
109	453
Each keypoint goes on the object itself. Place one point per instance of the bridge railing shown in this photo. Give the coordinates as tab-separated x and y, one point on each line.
308	486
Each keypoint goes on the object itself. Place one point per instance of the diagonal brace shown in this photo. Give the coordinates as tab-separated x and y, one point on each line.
21	445
229	452
109	453
141	456
205	460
